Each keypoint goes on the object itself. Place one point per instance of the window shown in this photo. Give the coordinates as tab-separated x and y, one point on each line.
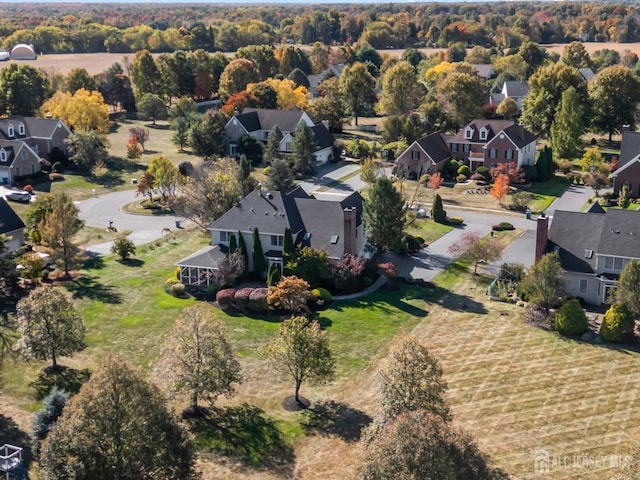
21	129
233	150
10	131
225	236
467	147
276	240
508	154
613	263
415	155
287	147
334	239
23	154
266	135
483	134
454	147
583	286
493	153
588	253
468	133
3	155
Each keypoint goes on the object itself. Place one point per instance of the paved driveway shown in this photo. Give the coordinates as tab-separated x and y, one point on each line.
572	200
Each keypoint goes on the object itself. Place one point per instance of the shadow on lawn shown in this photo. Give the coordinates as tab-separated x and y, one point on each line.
336	419
65	378
245	433
87	287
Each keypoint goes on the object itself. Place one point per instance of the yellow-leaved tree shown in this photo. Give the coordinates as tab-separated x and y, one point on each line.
84	110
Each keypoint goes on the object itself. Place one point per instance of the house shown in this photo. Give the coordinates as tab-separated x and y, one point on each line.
261	123
485	70
490	142
11	226
332	225
22	51
511	89
593	247
586	73
628	171
428	154
316	79
24	141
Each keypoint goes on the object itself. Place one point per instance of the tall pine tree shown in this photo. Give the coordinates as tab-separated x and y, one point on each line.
259	264
383	214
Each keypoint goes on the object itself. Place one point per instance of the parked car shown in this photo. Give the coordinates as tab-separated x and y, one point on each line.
19	196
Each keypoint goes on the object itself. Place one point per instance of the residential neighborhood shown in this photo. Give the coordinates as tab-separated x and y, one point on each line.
300	241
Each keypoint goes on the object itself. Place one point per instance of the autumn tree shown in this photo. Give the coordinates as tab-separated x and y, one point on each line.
301	351
165	176
412	380
118	426
476	247
461	96
500	188
576	55
508	108
145	185
263	58
369	171
196	358
83	111
145	76
87	149
543	285
400	90
49	325
357	87
628	291
614	93
593	160
151	106
140	134
123	247
597	181
236	76
568	125
435	182
134	151
291	294
383	214
58	230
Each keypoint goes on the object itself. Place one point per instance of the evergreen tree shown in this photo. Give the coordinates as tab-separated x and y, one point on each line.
233	243
273	276
280	176
437	210
46	417
383	214
259	264
304	161
271	150
242	245
568	126
288	248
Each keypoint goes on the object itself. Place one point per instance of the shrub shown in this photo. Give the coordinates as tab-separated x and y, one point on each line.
321	296
478	178
530	173
241	298
366	281
414	243
178	290
225	298
28	188
347	272
617	324
496	228
258	300
484	171
520	201
464	170
56	177
461	178
506	226
564	166
169	283
571	319
455	220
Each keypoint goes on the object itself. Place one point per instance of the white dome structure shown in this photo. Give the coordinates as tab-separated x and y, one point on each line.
22	51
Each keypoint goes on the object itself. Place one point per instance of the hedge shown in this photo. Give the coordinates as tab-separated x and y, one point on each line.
258	300
225	298
241	298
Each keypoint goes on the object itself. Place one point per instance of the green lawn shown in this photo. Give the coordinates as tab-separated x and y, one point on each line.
544	193
428	229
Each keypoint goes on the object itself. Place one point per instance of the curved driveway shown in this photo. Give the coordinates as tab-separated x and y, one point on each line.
98	211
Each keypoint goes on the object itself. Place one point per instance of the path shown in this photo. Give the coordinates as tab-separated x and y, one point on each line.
572	199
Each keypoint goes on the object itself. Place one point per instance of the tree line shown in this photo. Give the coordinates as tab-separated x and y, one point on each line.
129	28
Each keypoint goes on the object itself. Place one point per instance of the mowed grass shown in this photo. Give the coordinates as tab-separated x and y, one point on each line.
544	193
428	229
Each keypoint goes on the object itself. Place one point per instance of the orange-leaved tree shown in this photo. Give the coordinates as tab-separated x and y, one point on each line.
500	187
435	181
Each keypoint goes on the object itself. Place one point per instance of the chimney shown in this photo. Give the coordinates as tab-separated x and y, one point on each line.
542	234
260	189
350	230
626	127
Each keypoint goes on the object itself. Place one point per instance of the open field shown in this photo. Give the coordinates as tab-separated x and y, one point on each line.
516	388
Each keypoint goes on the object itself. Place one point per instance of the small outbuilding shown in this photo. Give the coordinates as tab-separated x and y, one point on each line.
22	51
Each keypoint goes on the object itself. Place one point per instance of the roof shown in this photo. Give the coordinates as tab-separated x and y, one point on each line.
629	148
323	136
11	147
518	134
318	78
435	146
516	88
34	127
587	73
595	208
324	221
485	70
267	210
23	51
207	257
9	220
614	233
267	119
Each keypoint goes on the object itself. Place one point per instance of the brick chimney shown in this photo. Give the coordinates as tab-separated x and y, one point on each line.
350	230
542	234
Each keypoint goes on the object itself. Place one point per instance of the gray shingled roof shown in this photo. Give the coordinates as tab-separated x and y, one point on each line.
573	233
323	220
516	88
435	146
595	208
493	126
587	73
629	148
10	147
485	70
519	135
207	257
268	119
34	127
323	137
620	233
9	220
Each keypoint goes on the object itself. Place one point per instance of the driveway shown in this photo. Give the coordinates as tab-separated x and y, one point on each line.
100	210
572	200
331	173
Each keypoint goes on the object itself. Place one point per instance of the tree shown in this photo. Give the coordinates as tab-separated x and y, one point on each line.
117	426
301	350
279	176
44	419
546	87
628	291
196	358
145	75
400	90
437	210
236	76
123	247
263	58
543	285
476	247
289	95
82	111
259	263
597	181
617	324
230	268
271	150
273	275
79	78
369	171
419	444
288	247
435	182
302	147
58	230
140	134
412	381
49	325
508	108
233	244
383	214
207	136
571	319
291	294
209	191
310	264
181	127
115	88
357	87
134	151
151	106
165	176
593	160
568	125
23	89
146	185
299	78
576	55
614	93
500	188
461	95
87	149
330	105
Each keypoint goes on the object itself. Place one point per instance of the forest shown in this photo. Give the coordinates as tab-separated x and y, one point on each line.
124	28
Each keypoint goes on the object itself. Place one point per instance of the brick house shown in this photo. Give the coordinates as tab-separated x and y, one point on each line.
428	154
628	171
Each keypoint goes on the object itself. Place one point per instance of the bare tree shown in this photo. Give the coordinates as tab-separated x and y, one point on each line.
476	247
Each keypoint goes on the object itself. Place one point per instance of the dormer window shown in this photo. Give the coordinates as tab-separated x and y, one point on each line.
3	155
21	129
483	133
10	132
468	133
